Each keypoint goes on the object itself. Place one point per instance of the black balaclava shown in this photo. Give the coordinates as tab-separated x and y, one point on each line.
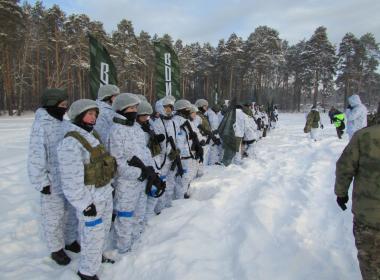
55	111
145	126
79	122
202	110
184	113
130	116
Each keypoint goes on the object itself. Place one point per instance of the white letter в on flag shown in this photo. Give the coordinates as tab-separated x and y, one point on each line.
104	68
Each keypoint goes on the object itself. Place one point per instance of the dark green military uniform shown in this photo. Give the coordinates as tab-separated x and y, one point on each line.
312	121
360	161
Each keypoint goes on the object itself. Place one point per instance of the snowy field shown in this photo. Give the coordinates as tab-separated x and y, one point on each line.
271	218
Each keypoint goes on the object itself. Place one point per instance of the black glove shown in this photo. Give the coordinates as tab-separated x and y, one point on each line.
90	210
155	187
159	137
342	200
322	126
180	172
46	190
216	141
202	142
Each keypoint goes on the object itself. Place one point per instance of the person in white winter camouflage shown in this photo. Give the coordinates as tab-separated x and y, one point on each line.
59	223
135	171
187	144
152	141
250	131
196	167
86	170
356	115
202	123
106	96
168	161
214	118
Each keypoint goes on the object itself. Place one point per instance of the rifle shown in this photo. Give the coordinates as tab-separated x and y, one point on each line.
154	139
177	161
210	135
196	144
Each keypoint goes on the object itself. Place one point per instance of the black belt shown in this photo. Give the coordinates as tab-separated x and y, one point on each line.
249	142
189	157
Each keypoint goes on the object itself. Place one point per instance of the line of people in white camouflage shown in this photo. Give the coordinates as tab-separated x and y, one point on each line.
118	159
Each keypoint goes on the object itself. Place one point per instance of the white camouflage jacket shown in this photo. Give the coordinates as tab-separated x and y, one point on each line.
45	135
104	120
183	142
72	157
124	143
239	125
213	119
357	116
168	128
250	128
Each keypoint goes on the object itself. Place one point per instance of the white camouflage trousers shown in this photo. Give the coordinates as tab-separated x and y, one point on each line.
214	154
130	205
249	150
59	221
94	232
183	183
169	177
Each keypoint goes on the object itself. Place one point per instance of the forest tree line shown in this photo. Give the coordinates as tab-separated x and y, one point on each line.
43	47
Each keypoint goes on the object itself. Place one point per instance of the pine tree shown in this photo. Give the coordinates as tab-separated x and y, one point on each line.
320	54
12	27
264	49
350	57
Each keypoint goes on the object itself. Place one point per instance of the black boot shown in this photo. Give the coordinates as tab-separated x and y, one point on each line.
186	196
86	277
73	247
107	260
60	257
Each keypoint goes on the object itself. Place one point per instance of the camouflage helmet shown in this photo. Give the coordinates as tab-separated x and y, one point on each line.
53	96
182	104
201	102
144	108
107	91
80	106
124	100
193	109
168	100
141	97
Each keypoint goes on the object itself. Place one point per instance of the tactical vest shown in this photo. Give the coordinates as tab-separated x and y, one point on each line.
102	166
205	123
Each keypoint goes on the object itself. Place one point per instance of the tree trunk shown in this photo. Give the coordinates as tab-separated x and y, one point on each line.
230	85
8	82
315	96
346	90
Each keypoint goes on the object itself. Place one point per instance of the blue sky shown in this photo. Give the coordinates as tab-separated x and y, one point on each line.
209	21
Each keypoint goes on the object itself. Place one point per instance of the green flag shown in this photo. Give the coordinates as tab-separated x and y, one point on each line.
167	71
102	69
227	133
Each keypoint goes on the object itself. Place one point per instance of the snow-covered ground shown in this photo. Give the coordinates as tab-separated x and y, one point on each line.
271	218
